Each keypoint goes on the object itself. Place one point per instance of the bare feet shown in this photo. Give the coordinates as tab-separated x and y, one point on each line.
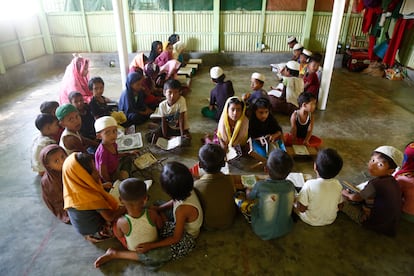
109	255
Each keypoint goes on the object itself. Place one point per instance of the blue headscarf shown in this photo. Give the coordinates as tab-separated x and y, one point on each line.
132	78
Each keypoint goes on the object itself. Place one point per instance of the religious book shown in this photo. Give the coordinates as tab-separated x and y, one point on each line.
145	160
297	179
350	187
168	144
129	141
300	150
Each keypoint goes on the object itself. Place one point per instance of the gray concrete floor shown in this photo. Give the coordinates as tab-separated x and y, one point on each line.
363	112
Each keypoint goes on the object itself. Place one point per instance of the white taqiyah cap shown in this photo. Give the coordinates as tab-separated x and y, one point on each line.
290	39
104	122
258	76
292	65
307	52
216	72
393	153
297	46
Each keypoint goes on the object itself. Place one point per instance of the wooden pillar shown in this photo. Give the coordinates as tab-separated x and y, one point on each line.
44	27
308	23
346	24
216	26
85	27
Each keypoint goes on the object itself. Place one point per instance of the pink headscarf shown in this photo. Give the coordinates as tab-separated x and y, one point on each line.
408	162
73	80
137	62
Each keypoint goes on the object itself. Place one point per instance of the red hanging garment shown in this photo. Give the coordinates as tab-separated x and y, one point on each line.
396	39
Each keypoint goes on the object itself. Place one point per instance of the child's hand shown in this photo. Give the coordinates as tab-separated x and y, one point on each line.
245	96
107	185
143	247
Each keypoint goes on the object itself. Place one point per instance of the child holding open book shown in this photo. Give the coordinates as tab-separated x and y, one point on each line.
381	201
271	214
320	199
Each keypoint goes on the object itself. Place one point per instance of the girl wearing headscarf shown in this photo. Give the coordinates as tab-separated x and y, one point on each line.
233	125
178	49
405	177
139	61
91	209
165	56
156	49
153	94
132	100
76	79
52	158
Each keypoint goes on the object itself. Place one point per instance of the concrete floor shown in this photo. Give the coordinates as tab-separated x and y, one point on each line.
363	112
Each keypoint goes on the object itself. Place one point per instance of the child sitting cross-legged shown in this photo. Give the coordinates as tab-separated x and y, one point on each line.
52	157
173	112
263	124
215	189
381	197
139	225
71	140
233	125
87	128
99	103
178	235
302	121
218	95
271	213
320	199
48	126
106	156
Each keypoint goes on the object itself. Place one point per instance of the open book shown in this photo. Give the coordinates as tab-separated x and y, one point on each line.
300	150
297	179
233	153
144	161
170	144
350	187
129	141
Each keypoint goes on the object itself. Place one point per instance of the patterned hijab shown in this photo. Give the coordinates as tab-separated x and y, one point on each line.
240	132
408	161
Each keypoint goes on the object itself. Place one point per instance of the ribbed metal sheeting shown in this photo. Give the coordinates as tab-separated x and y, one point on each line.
240	31
279	25
148	27
67	32
21	42
195	29
102	33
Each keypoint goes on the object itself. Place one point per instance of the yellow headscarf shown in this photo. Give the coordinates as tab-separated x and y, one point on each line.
240	133
80	189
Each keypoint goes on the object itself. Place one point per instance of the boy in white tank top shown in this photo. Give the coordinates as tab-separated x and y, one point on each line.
138	226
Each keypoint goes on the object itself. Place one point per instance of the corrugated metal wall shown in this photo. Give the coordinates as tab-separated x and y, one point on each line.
240	31
279	25
20	42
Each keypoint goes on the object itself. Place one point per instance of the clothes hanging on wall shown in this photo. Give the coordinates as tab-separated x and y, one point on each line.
395	42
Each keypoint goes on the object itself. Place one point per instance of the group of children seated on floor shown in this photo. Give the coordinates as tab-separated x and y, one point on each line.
79	172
